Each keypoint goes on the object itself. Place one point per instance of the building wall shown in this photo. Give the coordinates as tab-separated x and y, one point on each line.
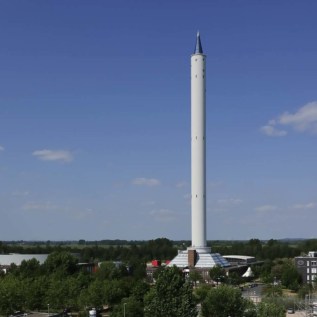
307	267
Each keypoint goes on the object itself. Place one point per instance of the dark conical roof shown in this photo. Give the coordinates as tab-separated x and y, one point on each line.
198	47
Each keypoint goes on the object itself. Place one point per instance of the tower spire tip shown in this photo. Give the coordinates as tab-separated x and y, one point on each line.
198	47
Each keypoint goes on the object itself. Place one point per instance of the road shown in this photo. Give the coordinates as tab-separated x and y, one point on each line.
254	293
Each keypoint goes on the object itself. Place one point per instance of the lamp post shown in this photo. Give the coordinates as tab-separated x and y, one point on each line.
124	309
48	310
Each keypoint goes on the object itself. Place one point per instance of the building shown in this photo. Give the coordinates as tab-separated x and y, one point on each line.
198	256
235	260
307	267
15	258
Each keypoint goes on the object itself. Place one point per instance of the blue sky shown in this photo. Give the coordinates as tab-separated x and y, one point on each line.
95	118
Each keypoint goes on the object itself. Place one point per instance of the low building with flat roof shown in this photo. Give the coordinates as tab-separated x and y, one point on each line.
240	259
17	258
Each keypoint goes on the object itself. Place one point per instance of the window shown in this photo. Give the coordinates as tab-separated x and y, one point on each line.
314	270
313	263
307	271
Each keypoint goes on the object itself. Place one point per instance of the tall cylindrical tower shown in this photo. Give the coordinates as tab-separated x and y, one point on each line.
198	255
198	146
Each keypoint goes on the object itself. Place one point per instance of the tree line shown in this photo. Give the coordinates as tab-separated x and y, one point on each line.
164	249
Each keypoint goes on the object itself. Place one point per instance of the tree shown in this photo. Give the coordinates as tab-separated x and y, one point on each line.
254	247
217	274
224	301
171	296
139	290
195	277
96	294
30	268
56	293
35	292
161	248
131	307
269	309
82	242
272	290
202	291
11	295
304	290
235	278
116	290
62	263
108	271
290	277
137	267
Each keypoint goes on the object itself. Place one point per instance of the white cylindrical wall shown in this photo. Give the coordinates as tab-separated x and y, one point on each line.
198	149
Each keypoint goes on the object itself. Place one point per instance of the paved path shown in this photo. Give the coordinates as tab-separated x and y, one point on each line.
298	313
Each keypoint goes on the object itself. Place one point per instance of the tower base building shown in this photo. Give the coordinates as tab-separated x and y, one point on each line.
198	258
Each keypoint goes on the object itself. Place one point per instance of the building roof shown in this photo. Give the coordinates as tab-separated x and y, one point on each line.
239	257
15	258
204	260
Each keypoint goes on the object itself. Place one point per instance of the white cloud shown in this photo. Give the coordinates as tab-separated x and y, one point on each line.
39	206
187	196
302	120
181	184
163	215
270	130
45	207
21	193
304	206
266	208
53	155
148	203
229	201
215	185
1	148
146	181
83	214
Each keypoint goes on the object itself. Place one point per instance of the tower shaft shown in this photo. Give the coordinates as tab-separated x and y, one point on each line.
198	147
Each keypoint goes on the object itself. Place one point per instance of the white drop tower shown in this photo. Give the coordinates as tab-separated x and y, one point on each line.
198	255
198	146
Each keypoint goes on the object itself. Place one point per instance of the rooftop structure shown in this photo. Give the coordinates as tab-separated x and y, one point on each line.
240	259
